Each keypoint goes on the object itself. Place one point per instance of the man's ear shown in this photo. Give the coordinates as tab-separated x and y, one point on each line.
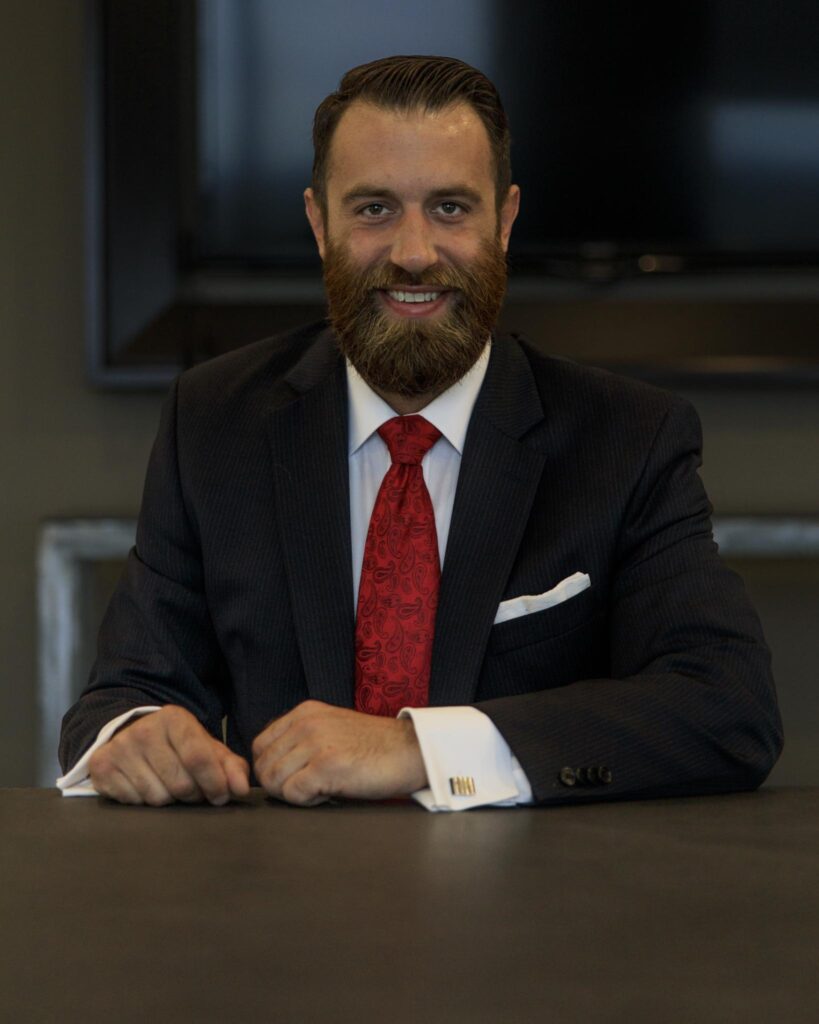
312	207
508	213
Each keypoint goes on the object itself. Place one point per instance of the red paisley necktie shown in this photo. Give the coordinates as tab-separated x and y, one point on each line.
398	592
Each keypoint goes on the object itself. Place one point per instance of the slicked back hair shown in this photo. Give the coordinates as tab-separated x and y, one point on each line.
406	84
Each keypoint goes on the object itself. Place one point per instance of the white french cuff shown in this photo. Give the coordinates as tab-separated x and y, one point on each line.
77	782
468	762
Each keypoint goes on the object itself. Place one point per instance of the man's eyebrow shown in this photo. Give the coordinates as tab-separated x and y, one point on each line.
368	191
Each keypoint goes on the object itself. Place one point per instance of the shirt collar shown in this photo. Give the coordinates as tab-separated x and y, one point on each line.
449	412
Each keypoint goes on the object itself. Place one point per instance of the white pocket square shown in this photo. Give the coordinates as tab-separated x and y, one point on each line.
526	604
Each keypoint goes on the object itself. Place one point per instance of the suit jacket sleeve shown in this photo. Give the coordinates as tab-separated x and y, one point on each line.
156	644
690	705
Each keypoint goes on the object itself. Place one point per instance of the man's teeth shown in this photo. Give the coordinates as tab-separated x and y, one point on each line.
414	296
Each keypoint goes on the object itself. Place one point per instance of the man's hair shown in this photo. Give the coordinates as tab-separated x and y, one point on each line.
414	83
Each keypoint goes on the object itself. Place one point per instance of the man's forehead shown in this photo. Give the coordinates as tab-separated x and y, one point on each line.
368	135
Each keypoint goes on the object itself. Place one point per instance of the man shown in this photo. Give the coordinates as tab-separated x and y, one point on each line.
348	583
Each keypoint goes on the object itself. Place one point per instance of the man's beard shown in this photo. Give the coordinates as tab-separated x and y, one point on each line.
408	356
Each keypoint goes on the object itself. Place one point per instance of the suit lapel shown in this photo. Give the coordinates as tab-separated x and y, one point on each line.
498	478
310	465
497	482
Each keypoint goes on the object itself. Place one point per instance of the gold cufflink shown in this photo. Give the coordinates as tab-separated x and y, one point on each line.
462	785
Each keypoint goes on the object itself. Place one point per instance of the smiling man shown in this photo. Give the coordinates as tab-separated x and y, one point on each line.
397	553
415	259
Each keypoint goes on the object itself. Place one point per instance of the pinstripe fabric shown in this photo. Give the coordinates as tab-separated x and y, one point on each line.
238	598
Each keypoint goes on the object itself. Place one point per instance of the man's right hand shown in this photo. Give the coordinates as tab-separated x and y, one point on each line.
167	756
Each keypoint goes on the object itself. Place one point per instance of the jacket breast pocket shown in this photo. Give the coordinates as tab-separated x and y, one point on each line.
550	648
545	624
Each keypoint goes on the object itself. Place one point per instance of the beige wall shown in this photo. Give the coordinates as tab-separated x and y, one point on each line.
68	451
64	450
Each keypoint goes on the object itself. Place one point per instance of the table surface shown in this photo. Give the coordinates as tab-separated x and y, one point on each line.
689	910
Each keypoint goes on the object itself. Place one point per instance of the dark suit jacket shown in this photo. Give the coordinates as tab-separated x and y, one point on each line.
237	599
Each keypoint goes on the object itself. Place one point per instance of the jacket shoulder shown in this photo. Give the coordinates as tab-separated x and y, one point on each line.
594	393
258	367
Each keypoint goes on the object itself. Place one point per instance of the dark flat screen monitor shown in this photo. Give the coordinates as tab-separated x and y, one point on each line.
685	128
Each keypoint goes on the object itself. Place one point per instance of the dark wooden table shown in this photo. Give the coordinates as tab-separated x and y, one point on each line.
692	910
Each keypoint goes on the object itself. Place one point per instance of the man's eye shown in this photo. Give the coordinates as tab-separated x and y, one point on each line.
450	208
373	210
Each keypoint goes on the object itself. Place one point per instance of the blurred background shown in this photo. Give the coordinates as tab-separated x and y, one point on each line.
152	159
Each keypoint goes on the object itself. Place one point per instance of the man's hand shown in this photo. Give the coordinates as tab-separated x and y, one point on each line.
317	751
165	756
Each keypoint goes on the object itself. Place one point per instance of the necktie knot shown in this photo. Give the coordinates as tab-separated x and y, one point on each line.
408	438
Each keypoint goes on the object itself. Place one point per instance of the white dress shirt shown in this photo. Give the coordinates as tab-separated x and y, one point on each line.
455	742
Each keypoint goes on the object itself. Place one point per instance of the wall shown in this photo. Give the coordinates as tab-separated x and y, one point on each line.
64	450
68	451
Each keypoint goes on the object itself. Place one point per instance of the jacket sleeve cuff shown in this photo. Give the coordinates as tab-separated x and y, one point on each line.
468	762
77	782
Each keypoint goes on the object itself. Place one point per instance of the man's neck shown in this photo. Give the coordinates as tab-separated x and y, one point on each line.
406	404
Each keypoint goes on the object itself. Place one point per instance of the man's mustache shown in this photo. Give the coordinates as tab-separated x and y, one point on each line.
433	281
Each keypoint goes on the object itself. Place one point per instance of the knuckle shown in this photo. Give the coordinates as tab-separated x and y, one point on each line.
198	758
141	726
306	710
235	765
136	738
308	731
328	761
173	712
267	778
272	781
174	720
141	730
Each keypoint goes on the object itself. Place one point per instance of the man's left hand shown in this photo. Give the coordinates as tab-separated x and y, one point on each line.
318	751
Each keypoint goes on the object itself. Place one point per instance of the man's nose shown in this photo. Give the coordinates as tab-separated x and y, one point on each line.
412	248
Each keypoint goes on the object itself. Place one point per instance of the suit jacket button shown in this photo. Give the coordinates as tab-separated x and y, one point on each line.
604	774
591	775
567	776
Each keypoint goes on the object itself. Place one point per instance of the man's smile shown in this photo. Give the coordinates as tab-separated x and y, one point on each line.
415	301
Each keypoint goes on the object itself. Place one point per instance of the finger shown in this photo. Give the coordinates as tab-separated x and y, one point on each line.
102	771
277	727
146	782
270	753
202	760
198	752
168	767
304	788
274	771
119	769
115	786
128	793
271	733
237	772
